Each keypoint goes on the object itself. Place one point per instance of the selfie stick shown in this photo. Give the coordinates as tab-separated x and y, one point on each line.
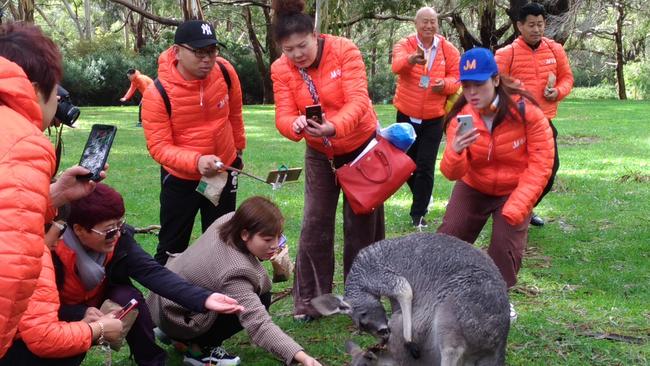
223	166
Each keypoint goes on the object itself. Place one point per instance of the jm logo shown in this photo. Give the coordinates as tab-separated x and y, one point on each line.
205	28
469	65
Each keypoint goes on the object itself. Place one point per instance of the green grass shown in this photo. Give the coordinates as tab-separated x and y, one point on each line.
585	272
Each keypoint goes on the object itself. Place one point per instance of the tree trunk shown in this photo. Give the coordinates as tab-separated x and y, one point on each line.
26	10
192	9
259	57
74	17
88	21
273	51
618	38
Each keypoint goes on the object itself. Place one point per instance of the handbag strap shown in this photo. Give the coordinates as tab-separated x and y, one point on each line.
329	150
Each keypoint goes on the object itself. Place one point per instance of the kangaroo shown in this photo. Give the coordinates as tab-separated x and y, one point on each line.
449	302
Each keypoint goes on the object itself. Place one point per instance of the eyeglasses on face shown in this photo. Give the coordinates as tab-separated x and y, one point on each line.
210	51
110	233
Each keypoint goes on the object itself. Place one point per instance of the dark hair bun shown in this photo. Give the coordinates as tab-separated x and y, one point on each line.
288	7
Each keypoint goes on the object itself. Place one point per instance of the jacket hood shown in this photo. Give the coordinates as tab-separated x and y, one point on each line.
17	92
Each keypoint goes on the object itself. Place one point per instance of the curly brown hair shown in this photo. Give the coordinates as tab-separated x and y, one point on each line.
290	19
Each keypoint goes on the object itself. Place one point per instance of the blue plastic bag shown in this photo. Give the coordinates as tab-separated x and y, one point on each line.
402	135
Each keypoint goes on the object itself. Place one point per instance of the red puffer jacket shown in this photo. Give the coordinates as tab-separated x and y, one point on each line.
27	164
205	118
140	82
532	68
40	327
410	98
340	80
515	159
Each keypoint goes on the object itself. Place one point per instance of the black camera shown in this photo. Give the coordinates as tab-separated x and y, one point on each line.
66	112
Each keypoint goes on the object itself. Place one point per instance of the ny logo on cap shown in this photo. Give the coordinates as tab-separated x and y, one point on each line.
470	65
205	28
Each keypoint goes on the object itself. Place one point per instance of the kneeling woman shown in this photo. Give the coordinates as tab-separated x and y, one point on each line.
501	165
226	258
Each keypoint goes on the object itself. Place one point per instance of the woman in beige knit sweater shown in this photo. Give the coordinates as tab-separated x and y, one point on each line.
226	258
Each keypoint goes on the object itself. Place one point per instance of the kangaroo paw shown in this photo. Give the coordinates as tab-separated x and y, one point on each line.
413	349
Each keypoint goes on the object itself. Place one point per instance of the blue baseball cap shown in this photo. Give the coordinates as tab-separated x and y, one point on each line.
477	64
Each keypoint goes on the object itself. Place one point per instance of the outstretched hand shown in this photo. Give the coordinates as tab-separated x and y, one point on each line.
222	304
68	188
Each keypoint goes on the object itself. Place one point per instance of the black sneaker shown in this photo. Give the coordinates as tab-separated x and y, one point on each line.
536	220
419	222
216	356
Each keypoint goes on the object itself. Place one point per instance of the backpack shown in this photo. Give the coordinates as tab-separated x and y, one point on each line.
165	97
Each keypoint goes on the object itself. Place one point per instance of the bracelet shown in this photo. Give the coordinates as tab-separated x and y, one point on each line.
101	339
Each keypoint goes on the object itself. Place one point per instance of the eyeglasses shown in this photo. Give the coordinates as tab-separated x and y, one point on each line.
110	233
202	52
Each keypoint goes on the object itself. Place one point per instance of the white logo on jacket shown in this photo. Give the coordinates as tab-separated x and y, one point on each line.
335	74
222	103
518	142
205	28
550	61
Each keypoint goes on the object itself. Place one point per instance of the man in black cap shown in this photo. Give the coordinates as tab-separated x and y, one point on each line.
192	120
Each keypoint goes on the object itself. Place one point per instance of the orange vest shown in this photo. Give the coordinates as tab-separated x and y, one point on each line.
416	101
206	118
532	68
27	164
342	87
515	159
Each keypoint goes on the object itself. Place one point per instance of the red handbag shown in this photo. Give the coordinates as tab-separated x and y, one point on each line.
371	180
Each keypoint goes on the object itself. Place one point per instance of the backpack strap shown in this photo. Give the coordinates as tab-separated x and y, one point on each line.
226	75
165	97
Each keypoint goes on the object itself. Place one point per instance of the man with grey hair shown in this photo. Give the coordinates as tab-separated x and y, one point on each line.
426	65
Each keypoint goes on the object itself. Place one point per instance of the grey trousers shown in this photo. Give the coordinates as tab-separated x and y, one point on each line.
314	273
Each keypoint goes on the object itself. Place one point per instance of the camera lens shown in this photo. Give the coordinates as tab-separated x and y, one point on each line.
66	112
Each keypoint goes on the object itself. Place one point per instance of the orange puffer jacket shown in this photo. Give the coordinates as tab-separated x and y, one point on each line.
140	82
410	98
40	328
340	80
73	291
532	68
515	159
27	164
205	118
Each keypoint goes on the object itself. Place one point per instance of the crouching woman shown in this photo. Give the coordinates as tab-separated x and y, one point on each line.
227	258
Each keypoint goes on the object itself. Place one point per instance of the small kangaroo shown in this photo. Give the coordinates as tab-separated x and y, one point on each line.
449	302
371	357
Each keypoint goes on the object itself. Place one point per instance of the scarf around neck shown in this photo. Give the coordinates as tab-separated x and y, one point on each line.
89	264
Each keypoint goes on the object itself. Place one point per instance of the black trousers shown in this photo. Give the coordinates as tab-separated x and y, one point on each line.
556	166
226	326
179	204
423	152
19	354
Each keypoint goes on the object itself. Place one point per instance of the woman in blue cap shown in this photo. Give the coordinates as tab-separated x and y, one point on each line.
500	153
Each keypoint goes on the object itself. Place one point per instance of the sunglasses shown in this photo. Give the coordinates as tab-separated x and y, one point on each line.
110	233
202	52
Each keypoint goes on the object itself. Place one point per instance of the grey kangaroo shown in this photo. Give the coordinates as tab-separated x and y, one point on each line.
449	302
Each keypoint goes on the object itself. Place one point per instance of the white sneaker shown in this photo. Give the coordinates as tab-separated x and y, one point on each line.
217	356
513	314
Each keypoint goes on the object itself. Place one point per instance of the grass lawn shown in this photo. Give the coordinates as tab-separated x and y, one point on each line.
586	273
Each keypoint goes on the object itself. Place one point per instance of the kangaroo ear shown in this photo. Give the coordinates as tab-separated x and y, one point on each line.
352	348
329	304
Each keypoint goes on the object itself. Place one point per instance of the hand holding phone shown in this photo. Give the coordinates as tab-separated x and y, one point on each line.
314	113
96	150
120	314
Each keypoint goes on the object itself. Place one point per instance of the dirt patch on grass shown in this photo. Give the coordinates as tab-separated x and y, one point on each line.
572	140
634	176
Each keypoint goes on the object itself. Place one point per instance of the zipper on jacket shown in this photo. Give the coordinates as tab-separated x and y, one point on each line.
490	146
201	94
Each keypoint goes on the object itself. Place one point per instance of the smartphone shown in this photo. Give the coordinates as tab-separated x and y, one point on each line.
96	150
314	113
126	309
465	122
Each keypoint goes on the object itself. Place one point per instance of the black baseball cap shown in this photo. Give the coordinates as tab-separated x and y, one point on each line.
196	34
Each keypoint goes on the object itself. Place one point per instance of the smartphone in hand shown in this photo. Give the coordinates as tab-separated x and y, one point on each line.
314	113
465	123
96	150
126	309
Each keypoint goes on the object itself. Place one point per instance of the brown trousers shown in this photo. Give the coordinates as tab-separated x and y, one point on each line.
315	259
466	214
